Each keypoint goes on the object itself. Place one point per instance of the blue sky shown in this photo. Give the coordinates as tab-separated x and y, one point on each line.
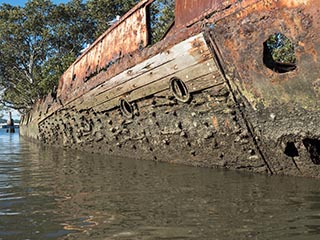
22	2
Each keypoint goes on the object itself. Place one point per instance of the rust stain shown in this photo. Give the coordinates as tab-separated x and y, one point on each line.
215	123
293	3
237	28
188	12
127	36
241	41
199	50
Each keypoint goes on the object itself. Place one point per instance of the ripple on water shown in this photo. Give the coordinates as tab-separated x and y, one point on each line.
51	193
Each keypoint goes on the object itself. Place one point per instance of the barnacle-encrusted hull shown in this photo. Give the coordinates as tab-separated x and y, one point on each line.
209	94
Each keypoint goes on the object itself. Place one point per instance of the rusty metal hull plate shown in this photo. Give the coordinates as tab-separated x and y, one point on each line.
238	114
126	37
189	11
282	108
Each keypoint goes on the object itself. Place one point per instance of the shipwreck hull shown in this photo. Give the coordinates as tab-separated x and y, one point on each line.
280	105
203	96
187	126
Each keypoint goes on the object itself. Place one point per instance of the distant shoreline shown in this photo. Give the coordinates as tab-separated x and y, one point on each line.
6	126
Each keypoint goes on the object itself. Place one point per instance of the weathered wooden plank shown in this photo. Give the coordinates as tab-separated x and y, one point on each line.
176	58
181	56
195	84
143	86
185	75
164	72
192	78
203	82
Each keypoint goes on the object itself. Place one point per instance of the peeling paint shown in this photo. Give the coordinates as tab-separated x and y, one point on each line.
239	112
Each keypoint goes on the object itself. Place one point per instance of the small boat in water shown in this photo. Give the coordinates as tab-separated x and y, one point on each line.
228	83
10	126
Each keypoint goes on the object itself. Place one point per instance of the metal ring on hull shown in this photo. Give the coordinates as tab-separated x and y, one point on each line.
179	90
126	108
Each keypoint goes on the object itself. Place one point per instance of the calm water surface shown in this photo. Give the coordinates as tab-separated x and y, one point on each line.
48	193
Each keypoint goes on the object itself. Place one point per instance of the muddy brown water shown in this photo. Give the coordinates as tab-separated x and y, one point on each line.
51	193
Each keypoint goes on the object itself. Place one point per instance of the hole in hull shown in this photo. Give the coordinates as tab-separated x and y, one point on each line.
313	147
291	150
279	54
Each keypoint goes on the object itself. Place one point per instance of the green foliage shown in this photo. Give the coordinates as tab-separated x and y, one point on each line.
103	11
1	112
281	48
161	17
24	40
39	41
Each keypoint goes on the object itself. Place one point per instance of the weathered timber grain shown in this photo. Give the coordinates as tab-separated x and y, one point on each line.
209	94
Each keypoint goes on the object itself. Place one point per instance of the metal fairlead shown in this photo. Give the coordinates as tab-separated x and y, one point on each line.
126	108
179	90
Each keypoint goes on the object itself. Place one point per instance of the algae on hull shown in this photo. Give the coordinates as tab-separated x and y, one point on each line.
205	95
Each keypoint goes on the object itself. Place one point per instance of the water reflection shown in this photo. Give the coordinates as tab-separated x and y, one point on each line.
50	193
